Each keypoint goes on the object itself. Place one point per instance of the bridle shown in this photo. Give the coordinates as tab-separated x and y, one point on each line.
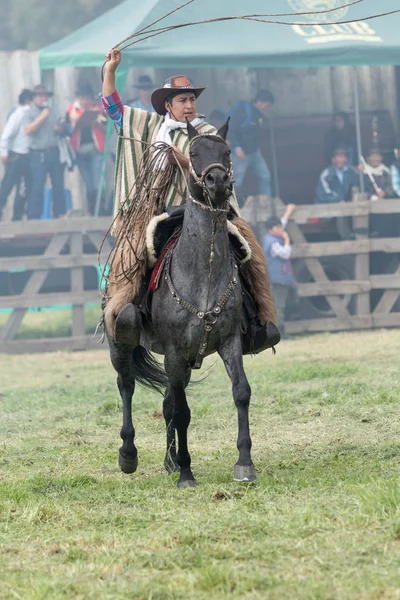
209	317
200	180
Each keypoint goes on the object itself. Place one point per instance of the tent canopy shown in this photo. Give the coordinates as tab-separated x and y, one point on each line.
237	43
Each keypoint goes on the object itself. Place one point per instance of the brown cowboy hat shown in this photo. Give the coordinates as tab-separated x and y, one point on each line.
41	90
178	84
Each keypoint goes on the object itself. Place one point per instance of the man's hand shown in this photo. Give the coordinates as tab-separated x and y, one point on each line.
240	154
175	156
113	58
381	195
286	238
4	160
291	208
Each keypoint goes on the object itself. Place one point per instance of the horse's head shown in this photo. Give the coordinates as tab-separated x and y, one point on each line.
211	178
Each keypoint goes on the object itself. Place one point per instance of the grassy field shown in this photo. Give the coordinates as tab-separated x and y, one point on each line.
322	521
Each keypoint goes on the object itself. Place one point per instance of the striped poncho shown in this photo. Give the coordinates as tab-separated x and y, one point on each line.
139	130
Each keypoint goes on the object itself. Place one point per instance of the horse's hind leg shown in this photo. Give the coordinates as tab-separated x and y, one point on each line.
121	358
179	375
231	354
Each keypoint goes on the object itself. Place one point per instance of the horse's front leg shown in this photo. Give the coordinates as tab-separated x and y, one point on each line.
121	358
178	372
231	354
170	461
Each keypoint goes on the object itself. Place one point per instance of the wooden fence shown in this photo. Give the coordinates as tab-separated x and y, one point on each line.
71	244
258	209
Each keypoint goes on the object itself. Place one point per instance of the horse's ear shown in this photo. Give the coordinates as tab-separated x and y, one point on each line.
223	131
192	131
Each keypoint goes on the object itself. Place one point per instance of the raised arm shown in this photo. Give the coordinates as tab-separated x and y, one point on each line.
113	58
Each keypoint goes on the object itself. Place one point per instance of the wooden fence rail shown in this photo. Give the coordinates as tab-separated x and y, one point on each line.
70	244
258	209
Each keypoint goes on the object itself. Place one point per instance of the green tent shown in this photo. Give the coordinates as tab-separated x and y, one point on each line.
237	43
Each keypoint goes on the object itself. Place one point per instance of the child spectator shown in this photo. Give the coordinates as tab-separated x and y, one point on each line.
378	185
376	172
277	251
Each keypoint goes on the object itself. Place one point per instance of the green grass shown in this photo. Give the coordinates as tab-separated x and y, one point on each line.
52	323
321	523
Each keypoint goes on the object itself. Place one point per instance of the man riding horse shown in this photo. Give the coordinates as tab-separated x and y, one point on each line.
138	174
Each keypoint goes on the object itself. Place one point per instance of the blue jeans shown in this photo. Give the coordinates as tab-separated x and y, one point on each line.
41	163
90	168
258	165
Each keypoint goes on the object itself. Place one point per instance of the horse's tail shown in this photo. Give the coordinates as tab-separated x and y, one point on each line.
147	371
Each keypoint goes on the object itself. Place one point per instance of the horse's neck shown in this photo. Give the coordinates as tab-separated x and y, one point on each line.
203	232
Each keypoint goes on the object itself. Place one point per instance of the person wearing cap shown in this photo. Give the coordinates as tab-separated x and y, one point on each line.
42	125
335	184
277	251
14	152
145	87
245	137
174	105
87	125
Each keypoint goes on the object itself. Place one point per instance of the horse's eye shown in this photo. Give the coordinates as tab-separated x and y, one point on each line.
192	154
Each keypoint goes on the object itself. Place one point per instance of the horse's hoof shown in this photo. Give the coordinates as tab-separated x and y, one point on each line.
127	465
171	466
244	473
187	483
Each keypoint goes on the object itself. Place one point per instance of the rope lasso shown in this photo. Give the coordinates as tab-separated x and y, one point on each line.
147	32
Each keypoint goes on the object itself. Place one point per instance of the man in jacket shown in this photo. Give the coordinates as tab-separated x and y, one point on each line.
336	184
246	130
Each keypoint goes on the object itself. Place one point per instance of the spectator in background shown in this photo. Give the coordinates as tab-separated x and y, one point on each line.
14	152
277	251
246	130
217	118
42	124
145	87
336	184
378	185
87	127
395	173
377	177
342	134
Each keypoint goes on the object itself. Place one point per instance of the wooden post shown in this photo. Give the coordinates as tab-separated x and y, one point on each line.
77	285
361	264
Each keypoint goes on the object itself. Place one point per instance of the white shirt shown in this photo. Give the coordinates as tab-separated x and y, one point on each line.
285	251
14	138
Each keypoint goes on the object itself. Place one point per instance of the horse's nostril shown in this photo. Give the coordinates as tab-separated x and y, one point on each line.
210	179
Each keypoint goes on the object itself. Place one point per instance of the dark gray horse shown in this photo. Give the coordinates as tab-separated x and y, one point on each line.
196	311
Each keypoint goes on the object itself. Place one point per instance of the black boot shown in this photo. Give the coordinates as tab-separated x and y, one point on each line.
256	337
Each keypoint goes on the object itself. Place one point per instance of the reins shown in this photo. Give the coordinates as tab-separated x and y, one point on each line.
210	316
